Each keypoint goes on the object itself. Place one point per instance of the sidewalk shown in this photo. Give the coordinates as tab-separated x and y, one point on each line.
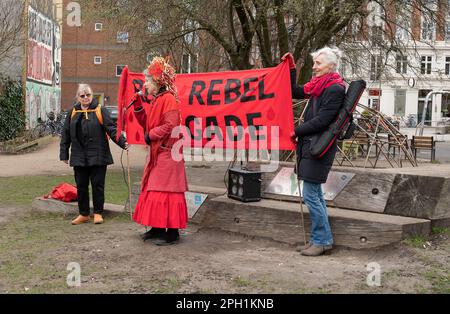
46	161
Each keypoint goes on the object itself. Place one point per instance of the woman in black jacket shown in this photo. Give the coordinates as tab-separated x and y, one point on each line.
325	91
84	131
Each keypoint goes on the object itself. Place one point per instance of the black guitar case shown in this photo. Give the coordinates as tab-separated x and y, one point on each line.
322	142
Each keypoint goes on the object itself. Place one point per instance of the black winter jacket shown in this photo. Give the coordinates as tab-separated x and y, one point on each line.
321	112
87	138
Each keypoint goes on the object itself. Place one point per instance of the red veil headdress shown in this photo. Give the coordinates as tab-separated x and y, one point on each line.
163	74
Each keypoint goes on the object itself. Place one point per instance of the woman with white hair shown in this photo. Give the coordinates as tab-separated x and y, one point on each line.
85	133
325	91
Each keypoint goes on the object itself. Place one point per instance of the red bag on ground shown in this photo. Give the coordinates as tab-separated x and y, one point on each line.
64	192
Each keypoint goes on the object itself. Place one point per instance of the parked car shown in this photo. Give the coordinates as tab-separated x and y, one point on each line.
113	112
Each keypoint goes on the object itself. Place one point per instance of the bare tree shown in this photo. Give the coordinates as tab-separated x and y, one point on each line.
249	33
11	25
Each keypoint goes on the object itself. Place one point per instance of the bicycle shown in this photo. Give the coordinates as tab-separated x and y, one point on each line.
48	127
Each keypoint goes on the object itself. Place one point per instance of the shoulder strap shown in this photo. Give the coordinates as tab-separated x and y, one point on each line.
98	113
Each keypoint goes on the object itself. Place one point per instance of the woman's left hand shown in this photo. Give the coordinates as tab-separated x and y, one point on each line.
127	146
293	137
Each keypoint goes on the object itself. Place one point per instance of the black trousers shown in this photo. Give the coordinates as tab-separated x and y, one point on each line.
96	174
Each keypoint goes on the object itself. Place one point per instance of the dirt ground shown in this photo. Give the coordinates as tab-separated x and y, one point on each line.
36	248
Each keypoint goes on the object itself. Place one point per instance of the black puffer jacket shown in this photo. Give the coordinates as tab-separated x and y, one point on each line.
87	138
321	112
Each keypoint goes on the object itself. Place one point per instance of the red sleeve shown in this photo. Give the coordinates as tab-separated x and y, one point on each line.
141	117
171	119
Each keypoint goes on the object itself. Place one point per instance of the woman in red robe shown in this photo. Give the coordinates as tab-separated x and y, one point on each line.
161	204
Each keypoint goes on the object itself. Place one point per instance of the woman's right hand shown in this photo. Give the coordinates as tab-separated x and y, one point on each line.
290	59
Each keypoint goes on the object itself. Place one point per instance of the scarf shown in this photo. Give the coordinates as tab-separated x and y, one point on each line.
317	84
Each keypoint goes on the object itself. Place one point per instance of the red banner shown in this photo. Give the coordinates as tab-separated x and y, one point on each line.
251	107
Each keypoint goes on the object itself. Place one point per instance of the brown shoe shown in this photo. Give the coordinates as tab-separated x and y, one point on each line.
80	220
316	250
98	219
303	247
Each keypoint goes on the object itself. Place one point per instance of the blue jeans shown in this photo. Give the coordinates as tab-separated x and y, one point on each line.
320	227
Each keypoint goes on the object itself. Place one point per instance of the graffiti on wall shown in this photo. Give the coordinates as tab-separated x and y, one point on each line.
40	47
43	68
41	99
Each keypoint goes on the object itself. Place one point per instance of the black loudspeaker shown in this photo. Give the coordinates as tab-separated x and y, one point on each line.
244	185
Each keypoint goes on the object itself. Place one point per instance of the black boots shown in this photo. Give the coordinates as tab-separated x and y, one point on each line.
154	233
170	237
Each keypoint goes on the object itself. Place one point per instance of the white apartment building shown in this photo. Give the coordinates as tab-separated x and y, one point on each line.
399	82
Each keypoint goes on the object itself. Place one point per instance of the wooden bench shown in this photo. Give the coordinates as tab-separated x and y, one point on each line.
395	144
362	139
424	143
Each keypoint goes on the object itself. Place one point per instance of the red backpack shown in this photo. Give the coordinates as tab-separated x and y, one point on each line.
64	192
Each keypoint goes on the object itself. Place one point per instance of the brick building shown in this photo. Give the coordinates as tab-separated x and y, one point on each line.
95	53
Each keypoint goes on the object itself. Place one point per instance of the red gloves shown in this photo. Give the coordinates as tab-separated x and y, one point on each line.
293	137
290	59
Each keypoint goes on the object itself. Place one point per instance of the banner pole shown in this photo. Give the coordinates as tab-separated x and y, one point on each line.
298	181
129	184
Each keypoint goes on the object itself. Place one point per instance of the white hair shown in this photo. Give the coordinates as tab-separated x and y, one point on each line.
331	55
84	88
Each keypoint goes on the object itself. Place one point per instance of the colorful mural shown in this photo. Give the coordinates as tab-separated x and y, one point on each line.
43	69
41	99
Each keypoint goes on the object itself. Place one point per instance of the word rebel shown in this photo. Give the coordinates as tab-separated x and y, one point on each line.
229	91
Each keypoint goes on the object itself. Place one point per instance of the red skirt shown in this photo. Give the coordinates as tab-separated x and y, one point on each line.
161	210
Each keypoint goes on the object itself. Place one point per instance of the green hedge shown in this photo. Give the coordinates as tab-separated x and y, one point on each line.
12	115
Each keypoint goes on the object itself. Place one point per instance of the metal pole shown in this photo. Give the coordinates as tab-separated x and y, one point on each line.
129	184
299	189
301	205
425	107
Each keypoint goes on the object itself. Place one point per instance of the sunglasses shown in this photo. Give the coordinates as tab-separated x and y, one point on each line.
84	96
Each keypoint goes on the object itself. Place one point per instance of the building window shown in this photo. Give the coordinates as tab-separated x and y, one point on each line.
375	68
376	35
154	26
425	65
403	29
122	37
97	60
98	27
191	38
402	64
343	68
428	28
189	63
119	69
447	23
447	65
400	102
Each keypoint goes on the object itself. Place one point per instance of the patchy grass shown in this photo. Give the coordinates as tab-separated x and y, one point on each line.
38	247
241	282
23	267
21	191
439	279
169	286
441	231
417	241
